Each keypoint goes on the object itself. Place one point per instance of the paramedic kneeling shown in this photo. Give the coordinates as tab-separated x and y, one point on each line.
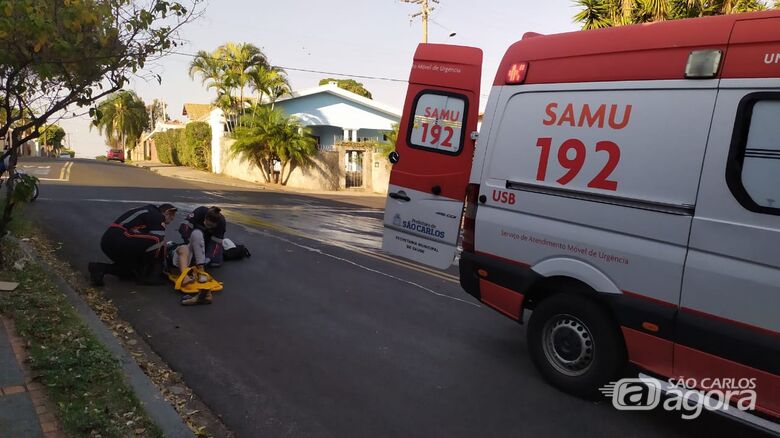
204	229
135	243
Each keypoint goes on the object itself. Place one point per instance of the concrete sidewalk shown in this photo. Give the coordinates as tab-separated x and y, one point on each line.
365	199
24	409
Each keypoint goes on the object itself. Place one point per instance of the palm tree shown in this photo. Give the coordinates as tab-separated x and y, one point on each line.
239	59
294	147
253	139
388	146
229	70
267	136
123	119
209	68
269	81
595	14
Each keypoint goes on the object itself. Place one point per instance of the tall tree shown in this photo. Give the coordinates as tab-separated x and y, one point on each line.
349	85
158	113
239	59
122	118
228	69
52	136
60	54
269	82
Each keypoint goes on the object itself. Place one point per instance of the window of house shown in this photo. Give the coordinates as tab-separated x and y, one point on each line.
438	122
754	165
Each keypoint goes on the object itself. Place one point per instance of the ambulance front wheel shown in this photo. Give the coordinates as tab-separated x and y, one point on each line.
575	345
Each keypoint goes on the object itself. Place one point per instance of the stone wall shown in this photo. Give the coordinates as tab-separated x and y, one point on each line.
328	172
380	173
324	174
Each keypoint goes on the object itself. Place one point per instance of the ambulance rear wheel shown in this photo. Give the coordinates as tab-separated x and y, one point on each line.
575	345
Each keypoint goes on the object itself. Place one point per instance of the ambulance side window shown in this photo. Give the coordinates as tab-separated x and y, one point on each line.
438	122
753	172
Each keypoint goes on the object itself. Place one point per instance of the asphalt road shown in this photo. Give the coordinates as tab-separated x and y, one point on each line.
318	334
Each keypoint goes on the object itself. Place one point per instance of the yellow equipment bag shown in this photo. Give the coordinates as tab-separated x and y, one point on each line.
194	287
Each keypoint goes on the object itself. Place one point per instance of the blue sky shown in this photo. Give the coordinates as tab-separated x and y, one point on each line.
361	37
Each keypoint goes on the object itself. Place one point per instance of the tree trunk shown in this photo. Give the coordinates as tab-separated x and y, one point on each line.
5	220
263	165
289	173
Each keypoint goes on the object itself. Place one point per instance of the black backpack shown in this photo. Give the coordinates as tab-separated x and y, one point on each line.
237	253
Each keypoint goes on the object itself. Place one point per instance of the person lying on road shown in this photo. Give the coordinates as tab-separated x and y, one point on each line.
135	243
204	229
179	258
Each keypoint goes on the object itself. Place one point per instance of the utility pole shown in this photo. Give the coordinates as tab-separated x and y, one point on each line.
425	11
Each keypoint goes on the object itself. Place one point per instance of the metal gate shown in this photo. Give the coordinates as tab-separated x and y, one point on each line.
354	164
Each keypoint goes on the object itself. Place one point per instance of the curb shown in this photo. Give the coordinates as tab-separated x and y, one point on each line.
158	409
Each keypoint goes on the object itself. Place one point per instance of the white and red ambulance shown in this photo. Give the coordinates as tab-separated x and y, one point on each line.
625	187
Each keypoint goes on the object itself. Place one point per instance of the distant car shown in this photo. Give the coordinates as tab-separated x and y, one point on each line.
116	154
64	156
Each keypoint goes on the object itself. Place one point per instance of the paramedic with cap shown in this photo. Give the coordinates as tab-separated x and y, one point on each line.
135	243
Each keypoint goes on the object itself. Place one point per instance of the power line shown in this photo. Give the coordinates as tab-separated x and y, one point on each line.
298	69
309	70
305	70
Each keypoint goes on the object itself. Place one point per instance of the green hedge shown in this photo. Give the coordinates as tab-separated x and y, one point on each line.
166	142
197	145
190	146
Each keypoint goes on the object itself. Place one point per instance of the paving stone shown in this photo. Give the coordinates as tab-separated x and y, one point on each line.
18	417
10	372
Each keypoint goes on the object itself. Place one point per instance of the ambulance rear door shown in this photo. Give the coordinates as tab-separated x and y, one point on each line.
432	160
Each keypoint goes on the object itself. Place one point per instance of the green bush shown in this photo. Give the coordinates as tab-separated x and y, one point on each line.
190	146
167	145
196	147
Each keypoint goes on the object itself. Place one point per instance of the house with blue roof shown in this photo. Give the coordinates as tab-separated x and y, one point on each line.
345	125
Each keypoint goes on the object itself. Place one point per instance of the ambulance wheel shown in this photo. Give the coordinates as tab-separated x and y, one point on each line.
575	345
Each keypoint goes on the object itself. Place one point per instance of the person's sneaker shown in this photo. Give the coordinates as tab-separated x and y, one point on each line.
96	273
202	297
202	277
188	279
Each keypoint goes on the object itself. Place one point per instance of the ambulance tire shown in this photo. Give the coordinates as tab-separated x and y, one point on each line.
575	344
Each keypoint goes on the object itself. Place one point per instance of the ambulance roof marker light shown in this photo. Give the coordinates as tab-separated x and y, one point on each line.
517	73
703	64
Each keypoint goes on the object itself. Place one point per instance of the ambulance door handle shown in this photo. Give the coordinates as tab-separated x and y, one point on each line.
393	157
401	196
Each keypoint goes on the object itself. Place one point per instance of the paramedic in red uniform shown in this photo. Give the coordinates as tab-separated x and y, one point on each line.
135	243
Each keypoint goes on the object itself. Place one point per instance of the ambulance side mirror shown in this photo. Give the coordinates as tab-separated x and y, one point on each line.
393	157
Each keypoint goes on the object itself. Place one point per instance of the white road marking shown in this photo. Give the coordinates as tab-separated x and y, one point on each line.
321	252
64	173
232	205
36	170
191	206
